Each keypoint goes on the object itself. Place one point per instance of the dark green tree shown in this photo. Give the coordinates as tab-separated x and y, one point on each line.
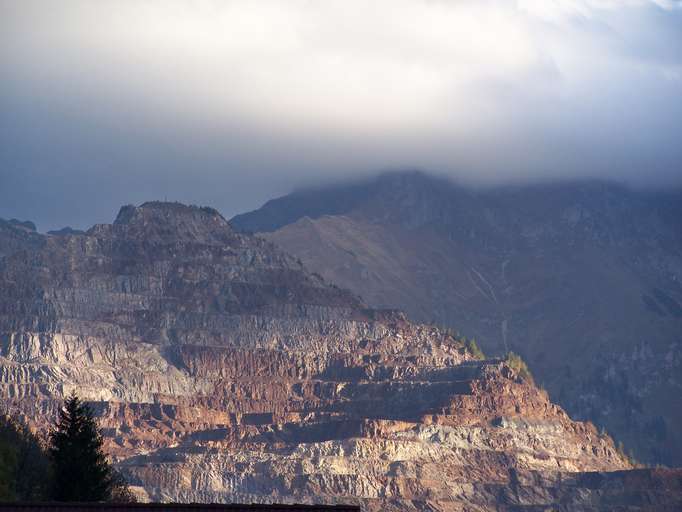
81	470
24	465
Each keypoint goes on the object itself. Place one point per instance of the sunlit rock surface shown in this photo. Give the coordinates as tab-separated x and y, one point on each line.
222	371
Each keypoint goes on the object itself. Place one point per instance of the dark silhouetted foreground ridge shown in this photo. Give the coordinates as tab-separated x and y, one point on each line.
170	507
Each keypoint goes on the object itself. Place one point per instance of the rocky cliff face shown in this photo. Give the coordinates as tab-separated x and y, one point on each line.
583	279
222	371
16	235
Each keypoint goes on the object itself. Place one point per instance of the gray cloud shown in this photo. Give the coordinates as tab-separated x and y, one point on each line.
229	103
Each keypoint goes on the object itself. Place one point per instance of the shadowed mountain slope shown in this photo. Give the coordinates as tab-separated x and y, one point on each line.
583	279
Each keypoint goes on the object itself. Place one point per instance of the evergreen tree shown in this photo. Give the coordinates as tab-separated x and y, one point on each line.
24	465
81	469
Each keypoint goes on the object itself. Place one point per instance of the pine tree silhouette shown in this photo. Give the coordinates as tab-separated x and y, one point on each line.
81	469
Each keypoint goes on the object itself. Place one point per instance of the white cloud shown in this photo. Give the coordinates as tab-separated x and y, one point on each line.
559	9
326	64
435	83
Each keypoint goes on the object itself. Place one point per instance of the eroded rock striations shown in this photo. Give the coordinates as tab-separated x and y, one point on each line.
222	371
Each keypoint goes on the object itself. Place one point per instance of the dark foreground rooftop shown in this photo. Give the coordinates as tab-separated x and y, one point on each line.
171	507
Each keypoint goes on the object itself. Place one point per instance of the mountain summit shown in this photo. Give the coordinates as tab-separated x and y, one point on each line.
173	221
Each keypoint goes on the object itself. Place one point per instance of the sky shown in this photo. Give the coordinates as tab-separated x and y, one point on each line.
230	103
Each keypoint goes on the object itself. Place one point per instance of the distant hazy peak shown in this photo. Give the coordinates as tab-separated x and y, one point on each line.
66	231
415	199
18	235
21	224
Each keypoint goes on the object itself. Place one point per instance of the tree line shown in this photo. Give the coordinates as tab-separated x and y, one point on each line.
70	466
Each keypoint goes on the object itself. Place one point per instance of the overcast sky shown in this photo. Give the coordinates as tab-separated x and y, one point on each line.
229	103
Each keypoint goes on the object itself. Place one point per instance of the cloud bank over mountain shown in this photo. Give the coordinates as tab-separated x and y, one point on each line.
231	102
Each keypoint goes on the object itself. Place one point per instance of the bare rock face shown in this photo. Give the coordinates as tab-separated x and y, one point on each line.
222	371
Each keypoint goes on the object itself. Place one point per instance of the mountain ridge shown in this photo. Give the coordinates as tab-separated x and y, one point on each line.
344	197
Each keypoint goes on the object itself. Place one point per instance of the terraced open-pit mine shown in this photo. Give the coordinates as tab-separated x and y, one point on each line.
221	371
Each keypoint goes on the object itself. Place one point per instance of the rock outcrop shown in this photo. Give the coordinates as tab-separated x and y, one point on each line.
222	371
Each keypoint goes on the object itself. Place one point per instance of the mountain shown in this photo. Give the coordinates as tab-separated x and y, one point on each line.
583	279
16	235
222	370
